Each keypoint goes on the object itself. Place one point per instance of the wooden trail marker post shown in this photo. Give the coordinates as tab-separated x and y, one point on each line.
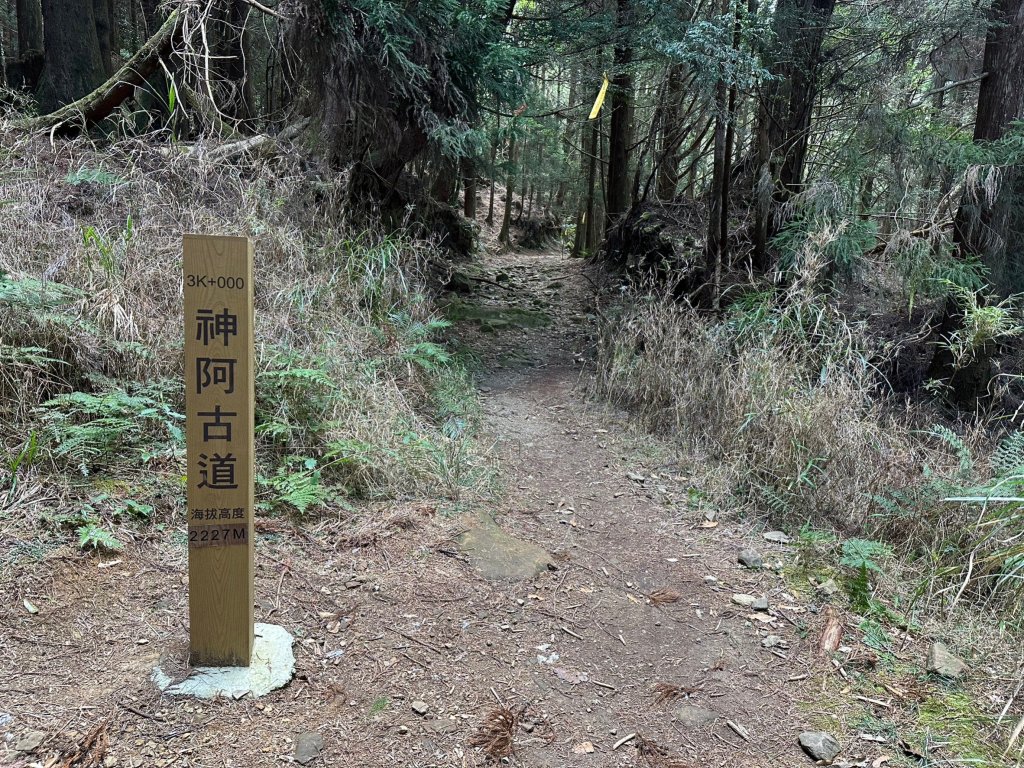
219	422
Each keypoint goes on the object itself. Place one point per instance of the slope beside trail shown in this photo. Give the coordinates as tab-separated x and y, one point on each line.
587	582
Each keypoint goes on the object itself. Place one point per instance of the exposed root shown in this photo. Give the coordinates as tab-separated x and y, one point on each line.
90	751
496	734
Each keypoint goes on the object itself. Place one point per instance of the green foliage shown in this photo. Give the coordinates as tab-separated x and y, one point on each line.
111	251
821	230
860	557
97	538
985	322
90	430
98	176
297	485
863	554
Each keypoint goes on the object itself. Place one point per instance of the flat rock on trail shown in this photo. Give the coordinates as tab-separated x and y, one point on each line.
592	596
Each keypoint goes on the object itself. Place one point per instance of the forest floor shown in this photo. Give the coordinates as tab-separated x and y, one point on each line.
599	607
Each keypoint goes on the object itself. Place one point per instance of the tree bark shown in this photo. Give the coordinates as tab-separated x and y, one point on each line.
72	62
785	119
30	28
510	183
469	186
101	10
671	128
620	132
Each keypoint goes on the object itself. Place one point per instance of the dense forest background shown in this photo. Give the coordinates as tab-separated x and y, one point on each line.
803	217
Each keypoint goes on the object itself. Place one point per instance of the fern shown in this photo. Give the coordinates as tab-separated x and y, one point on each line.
862	554
954	441
91	430
1008	457
97	537
298	484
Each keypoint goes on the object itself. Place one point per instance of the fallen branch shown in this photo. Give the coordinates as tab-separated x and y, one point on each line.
102	102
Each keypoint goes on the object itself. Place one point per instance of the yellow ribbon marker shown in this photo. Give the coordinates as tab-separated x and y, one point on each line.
600	98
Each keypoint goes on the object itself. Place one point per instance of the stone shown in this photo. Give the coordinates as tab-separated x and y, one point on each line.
750	558
690	716
828	588
942	661
747	601
777	537
820	745
420	708
499	556
272	667
30	741
761	604
308	747
774	641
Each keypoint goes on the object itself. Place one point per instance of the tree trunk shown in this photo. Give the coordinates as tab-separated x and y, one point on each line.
469	188
510	183
715	245
785	120
30	28
72	60
494	173
100	103
619	140
101	10
990	228
586	228
671	129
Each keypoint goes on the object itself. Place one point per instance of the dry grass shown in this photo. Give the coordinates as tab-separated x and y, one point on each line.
780	405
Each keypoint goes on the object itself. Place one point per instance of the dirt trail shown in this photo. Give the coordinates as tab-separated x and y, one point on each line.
388	612
615	509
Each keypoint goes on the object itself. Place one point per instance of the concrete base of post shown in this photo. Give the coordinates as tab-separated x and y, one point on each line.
272	667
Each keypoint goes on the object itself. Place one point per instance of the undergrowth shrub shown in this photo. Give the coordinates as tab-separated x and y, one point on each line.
357	394
779	393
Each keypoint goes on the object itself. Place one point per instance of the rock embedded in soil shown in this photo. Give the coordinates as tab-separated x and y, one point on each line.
747	601
420	708
942	661
308	747
750	558
690	716
820	745
777	537
761	604
499	556
29	742
828	588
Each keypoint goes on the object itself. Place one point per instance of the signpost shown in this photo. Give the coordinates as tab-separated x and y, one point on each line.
219	404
